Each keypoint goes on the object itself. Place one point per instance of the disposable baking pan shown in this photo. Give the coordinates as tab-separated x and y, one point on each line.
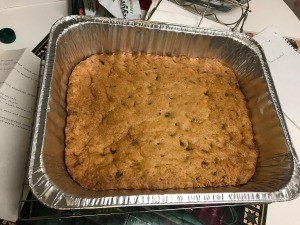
74	38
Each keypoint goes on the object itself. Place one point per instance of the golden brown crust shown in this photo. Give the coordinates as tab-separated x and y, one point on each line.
153	122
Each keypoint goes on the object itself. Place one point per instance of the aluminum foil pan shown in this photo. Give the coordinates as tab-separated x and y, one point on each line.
73	39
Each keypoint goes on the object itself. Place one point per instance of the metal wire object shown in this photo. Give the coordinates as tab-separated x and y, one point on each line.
209	8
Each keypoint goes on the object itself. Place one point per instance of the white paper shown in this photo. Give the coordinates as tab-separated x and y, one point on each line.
113	7
31	23
18	86
127	9
19	3
172	13
130	9
90	7
284	63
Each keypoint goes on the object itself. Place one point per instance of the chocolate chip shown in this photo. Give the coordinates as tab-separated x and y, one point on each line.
204	164
118	174
101	61
157	142
134	141
187	148
172	134
113	151
167	114
181	144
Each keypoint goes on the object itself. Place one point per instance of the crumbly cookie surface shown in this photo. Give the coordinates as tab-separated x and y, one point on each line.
154	122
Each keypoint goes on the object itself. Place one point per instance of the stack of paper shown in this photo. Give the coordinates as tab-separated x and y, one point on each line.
284	64
18	88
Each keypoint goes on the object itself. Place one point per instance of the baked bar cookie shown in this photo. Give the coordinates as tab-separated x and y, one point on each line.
139	121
